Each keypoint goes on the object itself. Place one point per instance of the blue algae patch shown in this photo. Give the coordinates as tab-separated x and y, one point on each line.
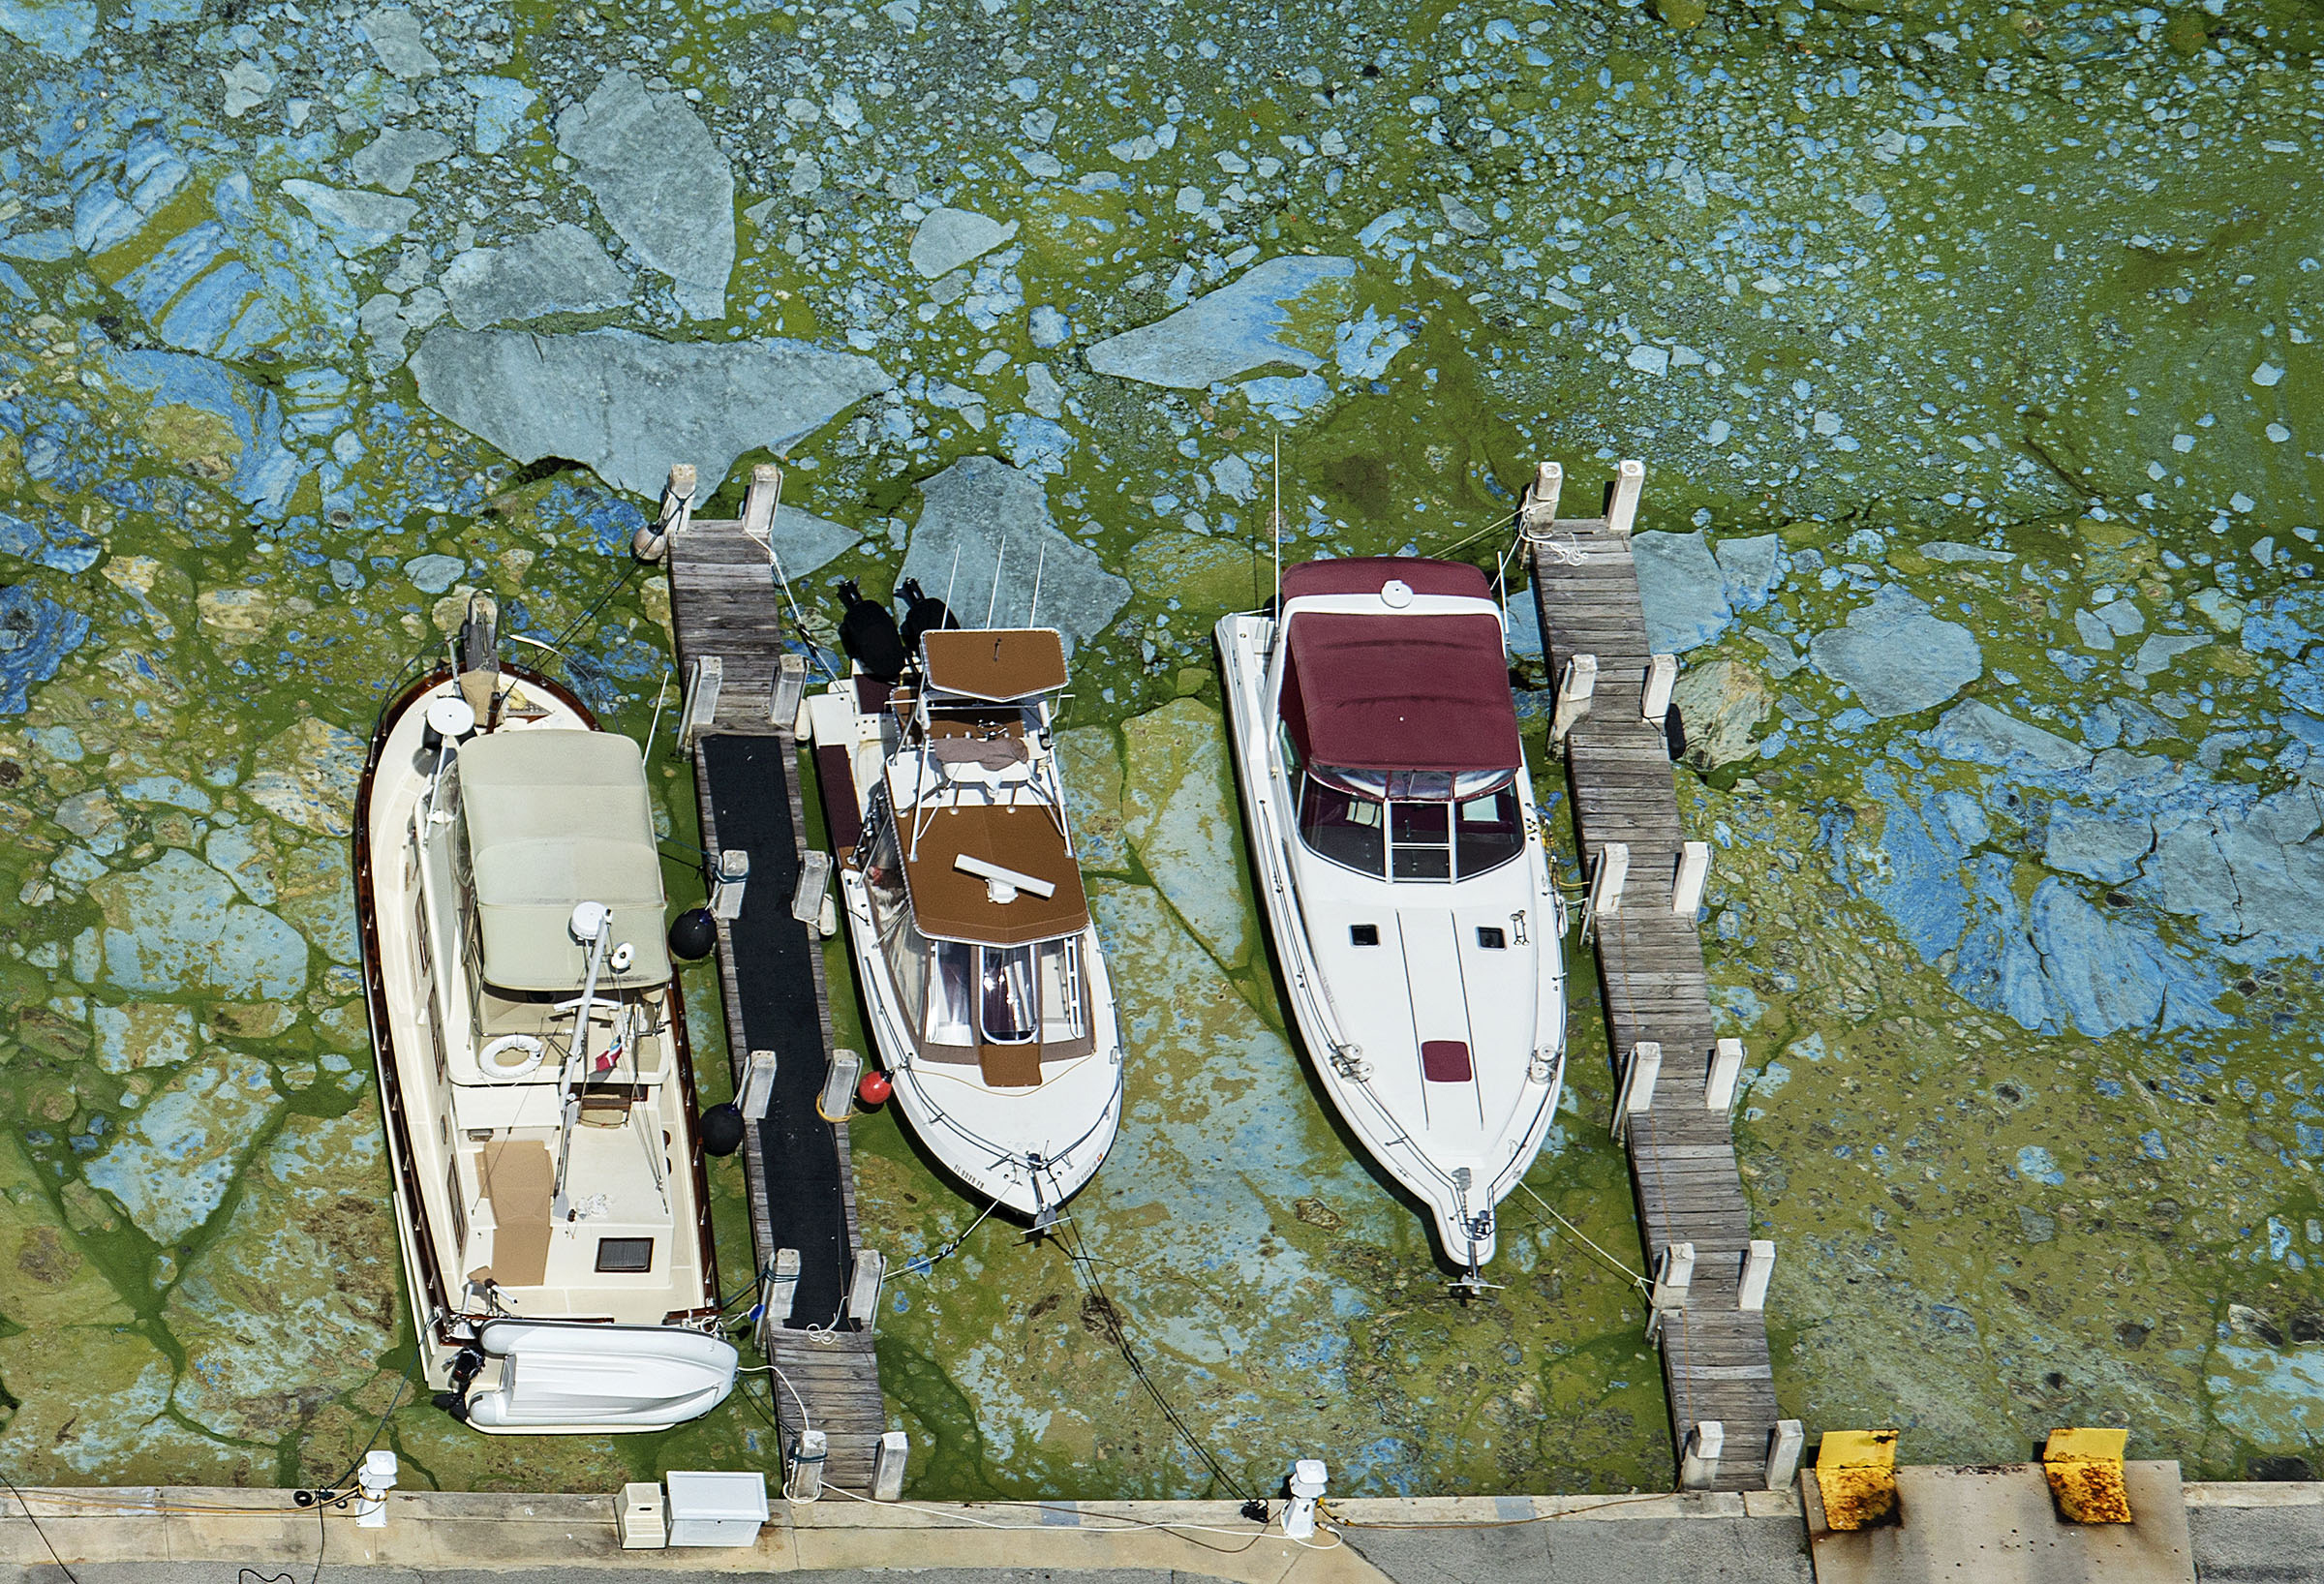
56	543
36	634
2035	1163
166	789
1364	348
432	574
605	519
2151	1144
58	27
266	471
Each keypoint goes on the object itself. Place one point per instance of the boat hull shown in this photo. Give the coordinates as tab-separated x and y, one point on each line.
1402	1130
443	1317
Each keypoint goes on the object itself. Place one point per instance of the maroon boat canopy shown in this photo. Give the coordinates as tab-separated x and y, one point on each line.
1365	574
1401	692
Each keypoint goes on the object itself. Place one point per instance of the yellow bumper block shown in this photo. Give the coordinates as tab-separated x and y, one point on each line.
1855	1476
2085	1468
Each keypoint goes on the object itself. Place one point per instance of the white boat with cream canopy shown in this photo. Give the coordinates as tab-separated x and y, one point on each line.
1405	879
550	1197
983	982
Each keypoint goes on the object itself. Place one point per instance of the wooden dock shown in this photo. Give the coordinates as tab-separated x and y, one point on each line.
1682	1158
801	1176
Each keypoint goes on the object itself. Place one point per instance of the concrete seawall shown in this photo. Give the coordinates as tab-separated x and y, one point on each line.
2242	1534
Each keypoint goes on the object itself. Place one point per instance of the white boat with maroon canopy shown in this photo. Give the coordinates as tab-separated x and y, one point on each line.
550	1198
983	982
1401	861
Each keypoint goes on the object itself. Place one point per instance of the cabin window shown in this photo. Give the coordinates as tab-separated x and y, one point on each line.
951	995
1488	832
1363	935
1007	1009
627	1255
1060	977
451	1197
1341	827
1419	832
1492	938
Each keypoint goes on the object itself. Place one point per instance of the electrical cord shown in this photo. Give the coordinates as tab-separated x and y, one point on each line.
27	1507
1076	1250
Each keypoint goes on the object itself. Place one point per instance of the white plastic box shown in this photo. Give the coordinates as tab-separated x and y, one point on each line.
638	1519
715	1509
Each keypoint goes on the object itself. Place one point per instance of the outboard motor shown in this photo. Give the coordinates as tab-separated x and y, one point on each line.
868	633
923	612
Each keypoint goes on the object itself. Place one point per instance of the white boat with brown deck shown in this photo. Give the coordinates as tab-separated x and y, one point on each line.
983	982
549	1192
1406	883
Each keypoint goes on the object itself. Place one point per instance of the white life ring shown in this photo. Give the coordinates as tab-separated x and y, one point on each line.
511	1055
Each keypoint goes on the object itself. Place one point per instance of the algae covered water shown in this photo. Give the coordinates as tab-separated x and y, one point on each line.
1971	353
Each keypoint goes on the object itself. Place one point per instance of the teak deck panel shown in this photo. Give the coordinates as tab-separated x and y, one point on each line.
1682	1158
798	1168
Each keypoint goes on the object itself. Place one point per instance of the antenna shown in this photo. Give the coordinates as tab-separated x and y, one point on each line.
1278	521
1039	562
999	557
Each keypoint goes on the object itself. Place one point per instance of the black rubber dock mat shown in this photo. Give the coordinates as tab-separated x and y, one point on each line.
806	1208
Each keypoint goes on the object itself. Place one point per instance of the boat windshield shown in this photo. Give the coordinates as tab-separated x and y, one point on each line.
1461	832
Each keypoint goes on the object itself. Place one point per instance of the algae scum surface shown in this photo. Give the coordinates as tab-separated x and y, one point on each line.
1972	356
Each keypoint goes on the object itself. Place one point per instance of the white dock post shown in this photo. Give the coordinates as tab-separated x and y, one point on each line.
1537	515
758	1085
652	540
1574	690
1671	1279
1785	1442
777	1296
786	692
1726	1068
1758	1265
700	711
836	1102
887	1466
1654	701
1687	881
728	882
863	1293
814	879
1606	885
803	1480
1630	477
1639	1074
758	501
1698	1468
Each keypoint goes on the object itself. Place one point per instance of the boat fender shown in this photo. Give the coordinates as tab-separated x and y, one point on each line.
723	1129
511	1055
874	1088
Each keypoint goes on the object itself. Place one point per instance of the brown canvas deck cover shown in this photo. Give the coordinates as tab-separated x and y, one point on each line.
949	904
997	665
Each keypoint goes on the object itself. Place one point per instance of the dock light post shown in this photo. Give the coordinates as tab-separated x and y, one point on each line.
373	1482
1309	1478
776	1297
863	1293
726	884
758	501
759	1087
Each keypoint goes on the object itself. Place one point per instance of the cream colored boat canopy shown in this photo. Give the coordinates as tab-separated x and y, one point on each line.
556	818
